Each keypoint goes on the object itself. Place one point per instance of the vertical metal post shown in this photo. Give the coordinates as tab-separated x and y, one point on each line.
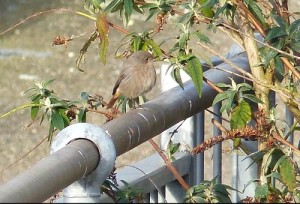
153	197
197	168
217	149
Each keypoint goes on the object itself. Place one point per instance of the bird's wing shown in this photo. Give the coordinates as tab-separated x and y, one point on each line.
117	84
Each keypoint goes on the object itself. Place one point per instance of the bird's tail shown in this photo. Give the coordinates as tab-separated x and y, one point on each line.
113	100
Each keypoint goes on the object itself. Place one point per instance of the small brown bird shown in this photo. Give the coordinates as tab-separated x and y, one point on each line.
137	77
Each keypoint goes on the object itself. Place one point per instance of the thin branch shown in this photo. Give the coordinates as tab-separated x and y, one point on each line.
283	91
213	113
251	17
22	157
290	67
35	15
260	42
169	165
280	139
108	115
227	61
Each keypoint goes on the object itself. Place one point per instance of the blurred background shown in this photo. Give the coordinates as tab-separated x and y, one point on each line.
27	56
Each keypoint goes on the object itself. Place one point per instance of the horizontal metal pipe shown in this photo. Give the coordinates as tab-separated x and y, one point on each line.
139	125
51	174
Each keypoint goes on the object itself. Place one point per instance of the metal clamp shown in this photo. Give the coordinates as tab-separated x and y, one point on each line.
87	189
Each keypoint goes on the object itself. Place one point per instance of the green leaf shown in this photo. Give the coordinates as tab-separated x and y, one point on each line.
269	54
294	27
114	4
138	9
103	50
57	120
202	37
223	85
47	82
194	70
279	65
103	29
82	115
195	194
128	4
261	191
241	114
274	33
63	113
287	172
137	43
252	98
279	20
228	102
164	6
183	38
244	87
84	96
206	9
183	57
220	97
149	5
152	12
175	74
270	160
221	196
155	47
256	11
119	8
34	111
185	18
208	3
295	46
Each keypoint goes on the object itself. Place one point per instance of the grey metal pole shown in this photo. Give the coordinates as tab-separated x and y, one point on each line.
197	168
52	174
217	149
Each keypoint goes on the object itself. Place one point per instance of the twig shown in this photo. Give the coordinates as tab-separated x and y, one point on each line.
250	77
283	91
213	113
14	162
280	139
290	67
108	115
212	85
251	17
169	165
35	15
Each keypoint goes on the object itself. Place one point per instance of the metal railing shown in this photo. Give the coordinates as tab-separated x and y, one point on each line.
82	155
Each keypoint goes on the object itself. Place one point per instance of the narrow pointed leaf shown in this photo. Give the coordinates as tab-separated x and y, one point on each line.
128	4
194	70
57	120
177	76
220	97
274	33
103	29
